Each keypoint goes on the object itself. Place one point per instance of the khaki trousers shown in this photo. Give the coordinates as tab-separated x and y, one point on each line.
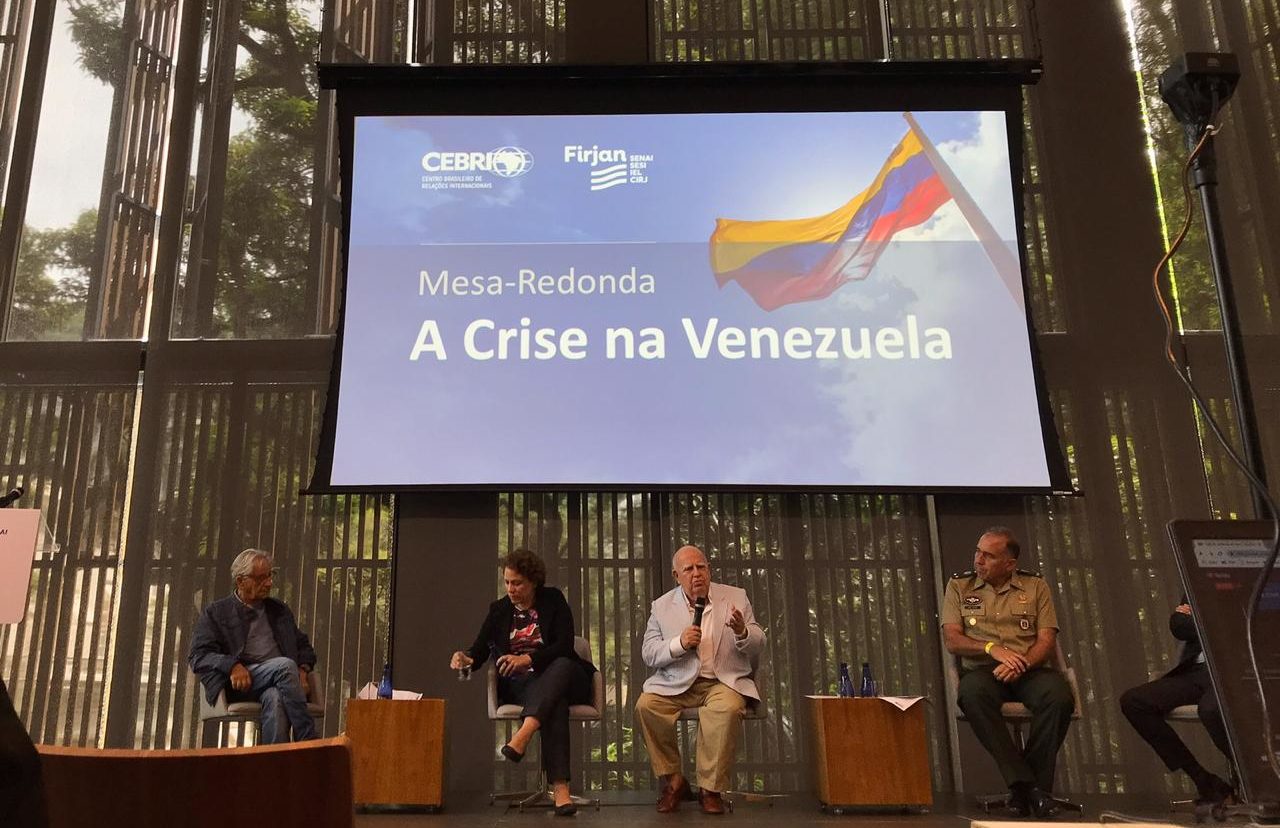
720	710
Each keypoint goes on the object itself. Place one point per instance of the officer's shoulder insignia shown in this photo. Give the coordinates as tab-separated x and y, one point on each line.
1030	573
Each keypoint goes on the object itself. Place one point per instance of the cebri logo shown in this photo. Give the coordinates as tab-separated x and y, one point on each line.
507	162
610	167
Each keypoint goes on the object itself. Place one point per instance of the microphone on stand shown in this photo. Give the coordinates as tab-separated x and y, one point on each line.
699	606
12	497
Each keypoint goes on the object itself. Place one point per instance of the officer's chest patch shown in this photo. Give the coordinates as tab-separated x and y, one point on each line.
1024	624
972	605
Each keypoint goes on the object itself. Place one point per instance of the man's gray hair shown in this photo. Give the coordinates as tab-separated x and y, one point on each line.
1010	539
242	566
684	547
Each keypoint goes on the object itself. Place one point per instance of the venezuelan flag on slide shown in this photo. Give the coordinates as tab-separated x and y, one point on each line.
801	260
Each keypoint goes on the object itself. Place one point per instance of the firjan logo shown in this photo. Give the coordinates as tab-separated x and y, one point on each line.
609	167
606	177
506	162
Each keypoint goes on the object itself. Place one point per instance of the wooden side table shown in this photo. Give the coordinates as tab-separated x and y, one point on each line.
868	753
397	752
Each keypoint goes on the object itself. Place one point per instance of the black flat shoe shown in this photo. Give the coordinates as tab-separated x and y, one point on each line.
1043	805
567	809
511	753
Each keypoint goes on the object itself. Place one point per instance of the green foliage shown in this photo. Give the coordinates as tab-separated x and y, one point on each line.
612	752
263	257
1157	41
95	29
264	262
52	280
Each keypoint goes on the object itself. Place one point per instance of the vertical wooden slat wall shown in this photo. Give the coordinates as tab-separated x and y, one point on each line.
830	578
239	455
68	445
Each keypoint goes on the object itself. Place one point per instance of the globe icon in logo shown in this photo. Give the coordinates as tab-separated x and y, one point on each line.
509	162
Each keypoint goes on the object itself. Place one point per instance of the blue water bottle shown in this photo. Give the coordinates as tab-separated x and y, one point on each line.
844	685
384	686
868	683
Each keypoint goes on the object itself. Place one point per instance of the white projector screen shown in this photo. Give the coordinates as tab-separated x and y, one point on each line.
771	299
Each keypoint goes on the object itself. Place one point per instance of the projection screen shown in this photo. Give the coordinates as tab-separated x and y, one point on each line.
772	298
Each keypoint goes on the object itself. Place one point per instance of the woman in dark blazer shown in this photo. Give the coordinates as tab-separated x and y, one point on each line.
530	635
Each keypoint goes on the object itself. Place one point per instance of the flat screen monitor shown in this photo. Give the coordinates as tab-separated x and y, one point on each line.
1220	562
554	285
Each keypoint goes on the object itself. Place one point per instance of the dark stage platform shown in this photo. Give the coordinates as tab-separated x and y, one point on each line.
949	811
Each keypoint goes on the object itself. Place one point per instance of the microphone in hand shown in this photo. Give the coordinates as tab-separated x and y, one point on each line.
12	497
699	607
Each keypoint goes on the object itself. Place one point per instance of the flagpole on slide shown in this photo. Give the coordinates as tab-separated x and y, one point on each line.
1002	259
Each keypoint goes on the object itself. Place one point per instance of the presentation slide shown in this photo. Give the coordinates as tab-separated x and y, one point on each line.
815	299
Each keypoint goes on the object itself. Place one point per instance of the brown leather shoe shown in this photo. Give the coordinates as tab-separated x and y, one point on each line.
672	795
712	803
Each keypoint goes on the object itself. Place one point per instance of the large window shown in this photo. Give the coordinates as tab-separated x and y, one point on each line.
156	460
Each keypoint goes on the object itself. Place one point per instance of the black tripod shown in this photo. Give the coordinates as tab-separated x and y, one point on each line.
1196	88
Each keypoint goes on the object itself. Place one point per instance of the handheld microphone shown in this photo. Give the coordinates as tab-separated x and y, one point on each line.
12	497
699	606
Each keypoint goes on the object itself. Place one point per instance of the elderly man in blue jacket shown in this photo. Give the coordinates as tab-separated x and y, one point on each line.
250	641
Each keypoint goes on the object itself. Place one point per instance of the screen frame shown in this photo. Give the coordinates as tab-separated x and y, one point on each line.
373	90
1237	703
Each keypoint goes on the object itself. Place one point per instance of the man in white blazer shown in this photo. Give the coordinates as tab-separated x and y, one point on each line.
708	666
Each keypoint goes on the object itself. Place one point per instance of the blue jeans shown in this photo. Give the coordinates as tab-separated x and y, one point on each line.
284	701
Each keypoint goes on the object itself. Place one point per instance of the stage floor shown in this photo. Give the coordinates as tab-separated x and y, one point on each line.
949	811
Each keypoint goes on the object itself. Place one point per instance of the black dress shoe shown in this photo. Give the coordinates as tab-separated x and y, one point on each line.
1018	804
567	809
1213	790
1043	805
511	753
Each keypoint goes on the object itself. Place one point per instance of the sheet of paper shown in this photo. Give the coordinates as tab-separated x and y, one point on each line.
901	702
370	691
19	530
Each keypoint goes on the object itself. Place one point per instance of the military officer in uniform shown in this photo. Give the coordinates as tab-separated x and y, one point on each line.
999	622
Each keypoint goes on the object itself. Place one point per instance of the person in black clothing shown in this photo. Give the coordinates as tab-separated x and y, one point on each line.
1146	706
530	634
21	792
